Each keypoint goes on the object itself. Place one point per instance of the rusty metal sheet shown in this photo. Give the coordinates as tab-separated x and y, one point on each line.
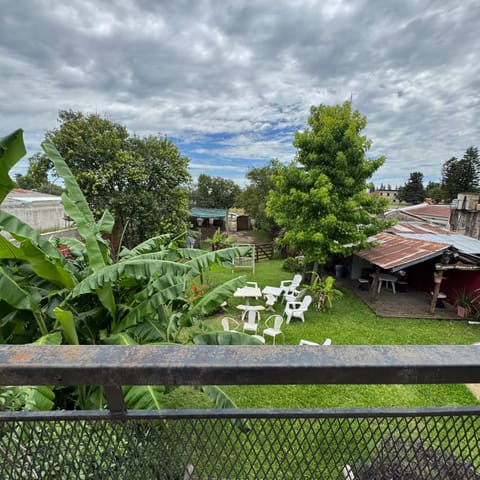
394	251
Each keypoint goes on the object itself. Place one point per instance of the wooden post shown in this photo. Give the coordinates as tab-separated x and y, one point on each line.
373	290
437	278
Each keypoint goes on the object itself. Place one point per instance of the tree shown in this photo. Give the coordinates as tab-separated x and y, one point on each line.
321	198
413	191
434	191
140	180
461	176
215	192
253	198
37	176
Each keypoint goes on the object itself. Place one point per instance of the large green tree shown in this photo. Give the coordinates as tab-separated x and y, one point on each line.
413	191
321	198
461	175
254	196
141	180
215	192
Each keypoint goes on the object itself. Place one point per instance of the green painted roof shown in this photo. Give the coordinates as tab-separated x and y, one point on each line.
208	212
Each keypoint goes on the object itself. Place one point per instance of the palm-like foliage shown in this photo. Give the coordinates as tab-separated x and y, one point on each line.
74	290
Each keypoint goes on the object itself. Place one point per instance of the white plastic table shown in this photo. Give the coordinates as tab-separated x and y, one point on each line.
247	293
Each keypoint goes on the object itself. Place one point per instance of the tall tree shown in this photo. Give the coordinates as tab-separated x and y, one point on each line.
254	196
434	191
461	176
215	192
140	180
321	199
413	191
37	177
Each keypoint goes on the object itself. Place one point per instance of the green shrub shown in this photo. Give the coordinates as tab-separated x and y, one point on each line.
293	264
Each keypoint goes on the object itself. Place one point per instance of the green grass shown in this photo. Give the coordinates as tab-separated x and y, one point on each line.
350	322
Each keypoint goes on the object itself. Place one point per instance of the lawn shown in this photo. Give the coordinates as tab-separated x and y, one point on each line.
350	322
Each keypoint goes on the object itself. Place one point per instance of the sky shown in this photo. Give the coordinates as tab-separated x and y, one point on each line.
230	82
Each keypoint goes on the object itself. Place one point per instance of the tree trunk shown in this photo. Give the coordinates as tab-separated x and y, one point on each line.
436	291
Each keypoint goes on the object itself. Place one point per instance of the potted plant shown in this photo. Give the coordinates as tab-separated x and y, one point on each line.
465	303
323	292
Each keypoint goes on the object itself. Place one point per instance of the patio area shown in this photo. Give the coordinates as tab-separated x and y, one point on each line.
409	304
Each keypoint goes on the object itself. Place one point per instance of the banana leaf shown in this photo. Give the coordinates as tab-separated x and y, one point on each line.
12	149
224	256
137	269
153	244
150	306
67	322
45	259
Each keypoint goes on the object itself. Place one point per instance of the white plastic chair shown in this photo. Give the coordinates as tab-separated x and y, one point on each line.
295	295
289	286
297	309
229	324
276	329
251	284
251	325
328	341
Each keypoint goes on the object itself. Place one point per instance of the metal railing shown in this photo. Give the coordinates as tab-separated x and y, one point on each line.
413	443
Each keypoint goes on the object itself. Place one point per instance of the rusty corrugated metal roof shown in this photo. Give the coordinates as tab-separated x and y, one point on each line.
394	252
402	228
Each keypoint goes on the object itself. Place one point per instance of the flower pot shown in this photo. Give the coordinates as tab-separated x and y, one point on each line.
461	311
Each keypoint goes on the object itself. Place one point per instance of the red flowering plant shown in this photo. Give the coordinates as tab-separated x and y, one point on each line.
196	292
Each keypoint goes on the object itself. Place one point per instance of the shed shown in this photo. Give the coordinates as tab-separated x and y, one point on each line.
217	216
243	222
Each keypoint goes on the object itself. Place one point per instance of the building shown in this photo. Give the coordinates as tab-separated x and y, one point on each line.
41	211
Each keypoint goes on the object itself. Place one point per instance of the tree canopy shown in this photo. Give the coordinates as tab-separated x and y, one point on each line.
215	192
141	180
413	191
254	196
321	198
461	175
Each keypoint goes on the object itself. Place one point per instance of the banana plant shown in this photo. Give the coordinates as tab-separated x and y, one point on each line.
75	290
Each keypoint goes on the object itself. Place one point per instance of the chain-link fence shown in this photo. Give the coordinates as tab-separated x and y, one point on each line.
243	444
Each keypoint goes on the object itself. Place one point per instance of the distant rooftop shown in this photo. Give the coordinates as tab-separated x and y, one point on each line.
21	196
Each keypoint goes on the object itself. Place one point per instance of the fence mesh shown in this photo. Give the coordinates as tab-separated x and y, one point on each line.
242	445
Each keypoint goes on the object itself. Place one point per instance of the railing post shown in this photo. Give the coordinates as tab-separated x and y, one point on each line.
115	401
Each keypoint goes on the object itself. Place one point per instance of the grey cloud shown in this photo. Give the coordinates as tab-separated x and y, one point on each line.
250	69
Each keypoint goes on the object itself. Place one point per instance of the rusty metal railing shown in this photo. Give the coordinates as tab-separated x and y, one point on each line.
421	443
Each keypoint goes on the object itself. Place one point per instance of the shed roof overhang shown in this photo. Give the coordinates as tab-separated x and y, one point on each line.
208	212
394	253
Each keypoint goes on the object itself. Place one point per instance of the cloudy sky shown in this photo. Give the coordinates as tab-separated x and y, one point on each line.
231	81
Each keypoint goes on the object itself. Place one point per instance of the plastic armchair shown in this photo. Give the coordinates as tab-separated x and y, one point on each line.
273	331
297	309
288	286
295	295
251	325
229	324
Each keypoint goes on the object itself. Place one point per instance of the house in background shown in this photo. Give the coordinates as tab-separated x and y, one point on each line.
390	195
43	212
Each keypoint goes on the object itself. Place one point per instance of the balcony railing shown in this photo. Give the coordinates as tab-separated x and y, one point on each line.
399	443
